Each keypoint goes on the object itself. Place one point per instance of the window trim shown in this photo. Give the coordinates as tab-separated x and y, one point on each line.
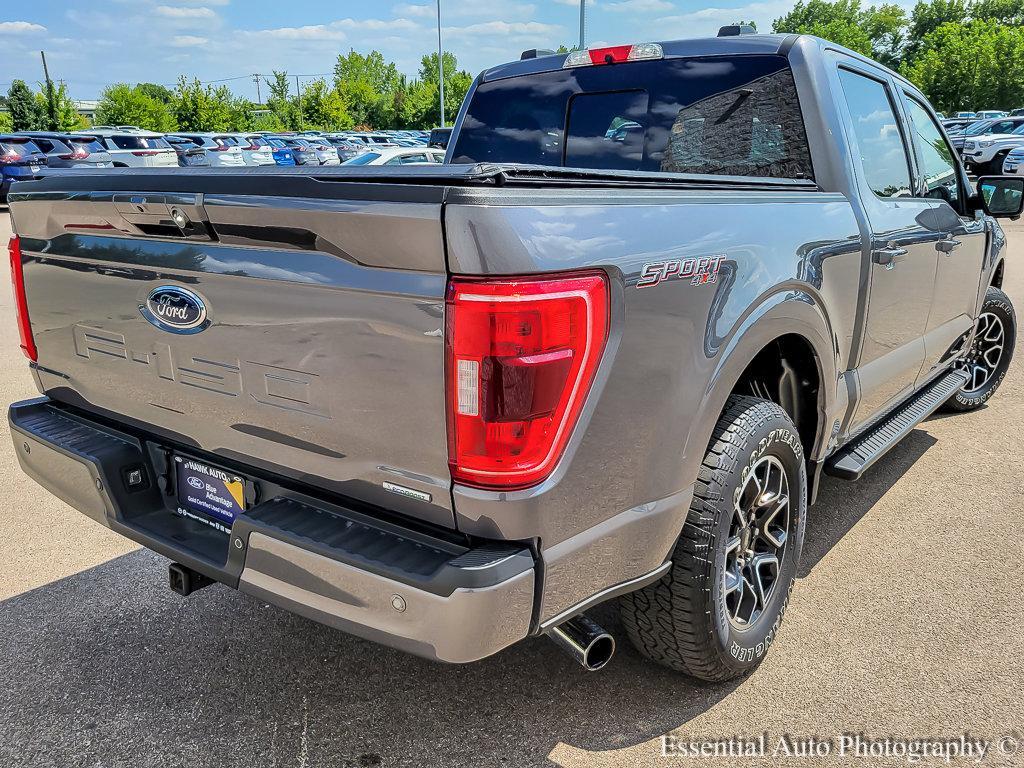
898	115
921	191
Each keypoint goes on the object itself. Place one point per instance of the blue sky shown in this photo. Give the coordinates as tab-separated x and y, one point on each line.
93	43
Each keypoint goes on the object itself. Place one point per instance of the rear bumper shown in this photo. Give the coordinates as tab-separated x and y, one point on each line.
332	563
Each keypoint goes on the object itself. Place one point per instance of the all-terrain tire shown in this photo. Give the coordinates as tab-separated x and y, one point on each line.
997	304
681	621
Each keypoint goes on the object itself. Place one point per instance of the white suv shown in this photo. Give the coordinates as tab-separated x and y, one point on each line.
986	153
137	149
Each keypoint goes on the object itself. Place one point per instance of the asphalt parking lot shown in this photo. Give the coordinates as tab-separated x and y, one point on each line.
903	623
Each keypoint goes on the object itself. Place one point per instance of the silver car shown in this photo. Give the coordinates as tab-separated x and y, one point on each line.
137	149
221	148
325	151
71	151
255	149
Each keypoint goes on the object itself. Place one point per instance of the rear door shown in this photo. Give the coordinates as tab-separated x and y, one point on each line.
903	237
961	249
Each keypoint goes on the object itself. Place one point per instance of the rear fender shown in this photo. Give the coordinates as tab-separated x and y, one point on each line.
788	311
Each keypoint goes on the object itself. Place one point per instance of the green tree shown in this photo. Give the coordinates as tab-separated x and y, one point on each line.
65	116
158	92
875	31
929	15
6	125
323	107
967	65
192	106
121	104
367	85
456	85
281	103
24	109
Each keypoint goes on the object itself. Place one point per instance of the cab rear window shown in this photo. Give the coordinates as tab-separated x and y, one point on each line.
734	115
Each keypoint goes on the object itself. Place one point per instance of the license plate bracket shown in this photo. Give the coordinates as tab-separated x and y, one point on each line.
208	493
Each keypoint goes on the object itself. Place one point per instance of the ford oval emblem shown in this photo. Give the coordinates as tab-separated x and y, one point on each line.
175	309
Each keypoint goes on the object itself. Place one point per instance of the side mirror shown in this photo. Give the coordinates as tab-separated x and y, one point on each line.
1001	196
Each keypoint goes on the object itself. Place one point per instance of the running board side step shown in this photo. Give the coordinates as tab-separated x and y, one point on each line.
852	460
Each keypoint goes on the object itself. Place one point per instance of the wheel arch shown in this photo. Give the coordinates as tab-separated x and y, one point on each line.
791	326
997	274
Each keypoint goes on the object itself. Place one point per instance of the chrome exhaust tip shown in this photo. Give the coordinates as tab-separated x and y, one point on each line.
585	641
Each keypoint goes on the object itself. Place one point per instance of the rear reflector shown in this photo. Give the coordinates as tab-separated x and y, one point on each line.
615	54
521	357
28	344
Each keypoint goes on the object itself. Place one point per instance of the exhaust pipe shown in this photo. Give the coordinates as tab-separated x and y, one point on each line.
584	640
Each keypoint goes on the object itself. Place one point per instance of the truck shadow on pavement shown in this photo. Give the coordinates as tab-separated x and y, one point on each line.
108	667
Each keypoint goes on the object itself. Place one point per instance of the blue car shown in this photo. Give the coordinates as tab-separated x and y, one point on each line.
20	160
282	152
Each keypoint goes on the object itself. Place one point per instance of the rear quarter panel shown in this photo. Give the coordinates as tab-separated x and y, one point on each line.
790	264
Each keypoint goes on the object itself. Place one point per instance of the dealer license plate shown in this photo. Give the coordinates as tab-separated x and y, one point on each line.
209	494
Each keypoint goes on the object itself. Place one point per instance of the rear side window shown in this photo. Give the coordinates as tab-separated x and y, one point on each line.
736	115
883	156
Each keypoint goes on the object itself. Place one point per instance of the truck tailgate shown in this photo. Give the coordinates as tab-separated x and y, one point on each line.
321	356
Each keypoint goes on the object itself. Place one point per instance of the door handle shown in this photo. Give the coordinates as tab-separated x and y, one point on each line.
887	257
949	245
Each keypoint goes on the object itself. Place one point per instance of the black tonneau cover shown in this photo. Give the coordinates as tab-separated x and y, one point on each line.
420	183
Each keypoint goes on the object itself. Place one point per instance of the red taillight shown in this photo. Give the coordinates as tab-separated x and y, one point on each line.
521	357
79	155
28	344
254	148
146	152
11	157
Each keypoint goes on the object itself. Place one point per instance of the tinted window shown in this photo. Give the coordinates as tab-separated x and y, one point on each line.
880	144
138	142
977	128
89	145
363	159
19	148
724	114
606	130
934	157
1005	126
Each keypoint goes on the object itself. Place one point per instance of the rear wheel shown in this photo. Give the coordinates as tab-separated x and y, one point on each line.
988	357
718	609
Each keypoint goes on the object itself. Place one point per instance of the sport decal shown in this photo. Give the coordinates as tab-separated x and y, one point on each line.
699	271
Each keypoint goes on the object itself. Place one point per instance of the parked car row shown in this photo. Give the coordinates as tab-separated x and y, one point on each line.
986	144
25	155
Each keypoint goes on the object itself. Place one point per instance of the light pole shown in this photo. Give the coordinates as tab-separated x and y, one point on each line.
440	61
583	24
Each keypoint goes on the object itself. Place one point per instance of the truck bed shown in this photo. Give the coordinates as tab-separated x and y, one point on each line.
324	357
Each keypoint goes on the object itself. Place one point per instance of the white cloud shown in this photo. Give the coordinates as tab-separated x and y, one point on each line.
417	11
707	20
336	30
20	27
508	29
187	41
640	6
457	9
310	32
174	12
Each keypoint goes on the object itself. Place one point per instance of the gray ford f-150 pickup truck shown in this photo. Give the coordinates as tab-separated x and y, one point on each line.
605	350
